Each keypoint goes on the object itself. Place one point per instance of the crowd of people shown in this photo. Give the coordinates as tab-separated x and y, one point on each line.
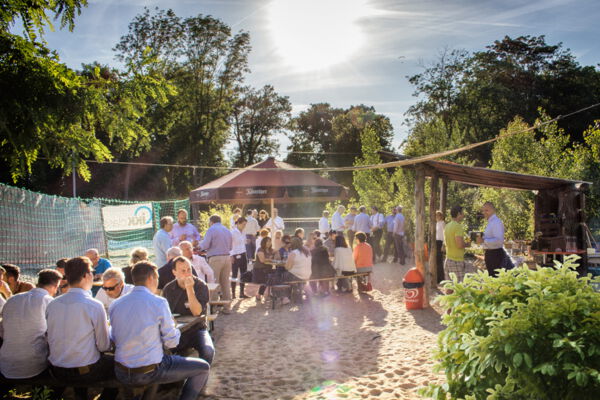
59	329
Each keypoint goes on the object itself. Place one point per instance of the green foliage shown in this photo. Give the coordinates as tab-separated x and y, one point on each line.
225	211
256	117
206	63
374	186
527	334
334	135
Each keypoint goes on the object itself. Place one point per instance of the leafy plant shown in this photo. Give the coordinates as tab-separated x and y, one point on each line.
527	334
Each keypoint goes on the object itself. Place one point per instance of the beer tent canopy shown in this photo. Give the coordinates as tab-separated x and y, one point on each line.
266	181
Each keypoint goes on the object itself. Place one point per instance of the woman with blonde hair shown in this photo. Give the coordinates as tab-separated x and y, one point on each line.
138	254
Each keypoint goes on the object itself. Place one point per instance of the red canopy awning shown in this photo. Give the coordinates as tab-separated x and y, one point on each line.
270	179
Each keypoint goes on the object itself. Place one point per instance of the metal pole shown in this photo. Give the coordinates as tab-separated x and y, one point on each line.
73	172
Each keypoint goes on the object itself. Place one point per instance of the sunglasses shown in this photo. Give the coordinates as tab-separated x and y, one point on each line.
110	288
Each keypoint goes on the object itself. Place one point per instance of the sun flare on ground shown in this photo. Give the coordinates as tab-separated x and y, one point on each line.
316	34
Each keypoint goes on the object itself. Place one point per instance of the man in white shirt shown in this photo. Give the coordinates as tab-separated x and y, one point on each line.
349	224
275	223
337	221
239	262
199	264
324	226
250	231
493	239
237	213
362	222
113	286
24	353
78	333
377	220
399	235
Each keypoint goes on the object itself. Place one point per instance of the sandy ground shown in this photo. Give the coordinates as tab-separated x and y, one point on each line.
342	346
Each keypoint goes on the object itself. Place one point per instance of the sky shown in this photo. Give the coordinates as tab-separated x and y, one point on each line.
347	52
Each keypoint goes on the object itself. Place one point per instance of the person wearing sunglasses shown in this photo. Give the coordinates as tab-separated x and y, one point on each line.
113	286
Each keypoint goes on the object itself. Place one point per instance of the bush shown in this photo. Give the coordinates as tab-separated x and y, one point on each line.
527	334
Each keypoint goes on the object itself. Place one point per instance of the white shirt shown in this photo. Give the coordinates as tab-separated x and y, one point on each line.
275	224
337	222
251	226
24	353
324	226
343	260
493	236
77	329
301	265
238	242
106	300
362	223
141	324
439	230
377	221
233	220
203	269
399	224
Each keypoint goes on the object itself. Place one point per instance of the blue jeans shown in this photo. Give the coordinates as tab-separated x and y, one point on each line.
172	369
199	340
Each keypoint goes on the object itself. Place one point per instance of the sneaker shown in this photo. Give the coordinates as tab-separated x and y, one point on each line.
243	296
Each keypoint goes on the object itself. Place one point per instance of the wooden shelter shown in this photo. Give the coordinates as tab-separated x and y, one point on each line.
559	206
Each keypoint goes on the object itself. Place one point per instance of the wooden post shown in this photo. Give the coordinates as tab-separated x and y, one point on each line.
432	230
420	230
443	195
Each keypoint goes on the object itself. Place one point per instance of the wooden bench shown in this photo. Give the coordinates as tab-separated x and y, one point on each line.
287	289
146	392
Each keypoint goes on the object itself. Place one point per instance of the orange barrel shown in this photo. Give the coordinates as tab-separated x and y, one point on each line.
413	283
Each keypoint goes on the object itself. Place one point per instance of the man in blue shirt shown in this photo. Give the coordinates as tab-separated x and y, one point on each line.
78	333
162	241
399	234
389	237
98	264
141	325
217	244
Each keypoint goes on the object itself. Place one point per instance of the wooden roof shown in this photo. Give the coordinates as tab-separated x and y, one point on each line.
479	176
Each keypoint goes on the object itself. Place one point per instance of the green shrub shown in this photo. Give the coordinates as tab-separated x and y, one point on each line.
527	334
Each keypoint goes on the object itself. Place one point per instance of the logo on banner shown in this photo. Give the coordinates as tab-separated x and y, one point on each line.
319	190
127	217
256	191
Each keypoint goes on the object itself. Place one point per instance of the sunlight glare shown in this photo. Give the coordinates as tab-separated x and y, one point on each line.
316	34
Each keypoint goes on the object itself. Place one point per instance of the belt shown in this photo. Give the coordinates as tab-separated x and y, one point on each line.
80	370
139	370
219	255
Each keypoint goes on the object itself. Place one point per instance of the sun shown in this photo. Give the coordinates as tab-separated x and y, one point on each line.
316	34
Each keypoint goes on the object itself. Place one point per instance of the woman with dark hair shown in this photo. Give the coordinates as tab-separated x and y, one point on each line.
261	270
343	263
363	258
310	242
321	268
263	218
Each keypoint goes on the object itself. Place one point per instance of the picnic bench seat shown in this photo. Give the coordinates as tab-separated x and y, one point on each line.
293	289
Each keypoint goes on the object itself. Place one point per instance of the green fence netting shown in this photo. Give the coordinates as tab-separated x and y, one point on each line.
37	229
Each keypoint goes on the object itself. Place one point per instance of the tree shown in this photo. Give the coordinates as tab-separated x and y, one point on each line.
336	136
256	117
206	63
56	113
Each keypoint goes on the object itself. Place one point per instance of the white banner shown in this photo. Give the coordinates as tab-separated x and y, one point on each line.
127	217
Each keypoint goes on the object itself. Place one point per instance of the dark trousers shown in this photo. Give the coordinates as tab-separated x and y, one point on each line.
351	237
250	246
493	260
376	243
102	370
440	260
390	245
345	284
399	241
239	266
199	340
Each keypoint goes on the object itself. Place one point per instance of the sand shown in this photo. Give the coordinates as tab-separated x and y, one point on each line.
342	346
